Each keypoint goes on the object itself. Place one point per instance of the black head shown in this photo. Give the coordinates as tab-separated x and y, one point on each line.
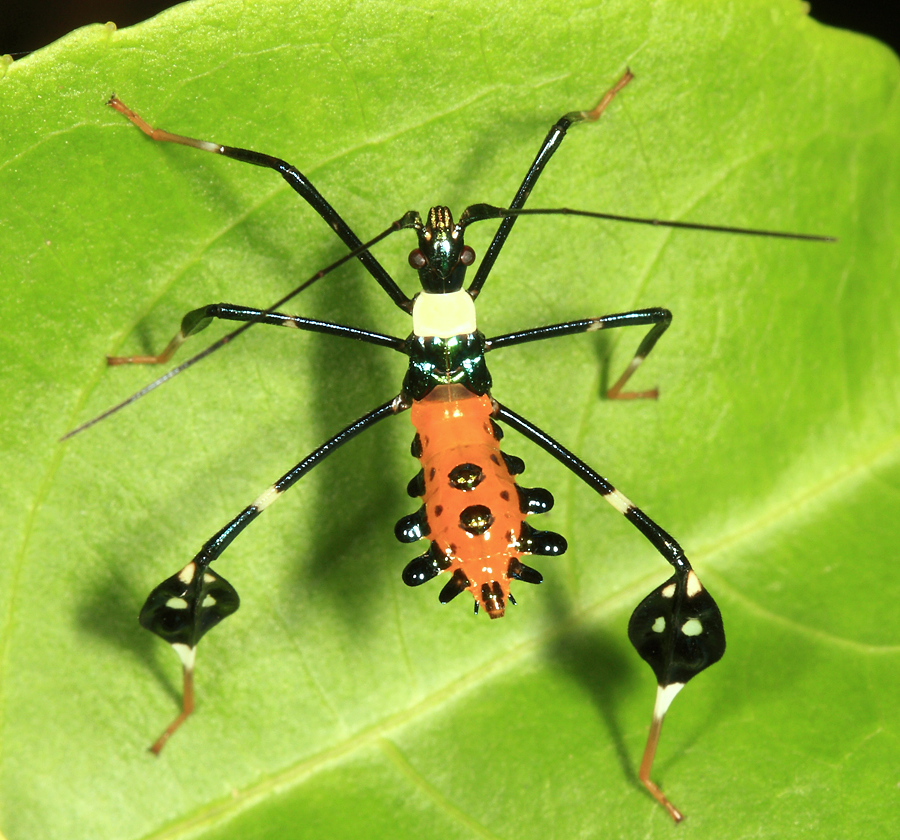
442	256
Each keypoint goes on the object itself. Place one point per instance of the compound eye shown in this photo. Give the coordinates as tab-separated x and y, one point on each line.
467	255
417	259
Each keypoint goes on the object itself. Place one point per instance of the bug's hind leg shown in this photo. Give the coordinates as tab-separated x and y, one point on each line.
187	605
181	610
677	629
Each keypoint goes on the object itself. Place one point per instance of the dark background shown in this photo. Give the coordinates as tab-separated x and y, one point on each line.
26	25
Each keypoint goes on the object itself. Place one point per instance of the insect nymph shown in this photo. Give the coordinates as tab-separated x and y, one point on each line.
473	514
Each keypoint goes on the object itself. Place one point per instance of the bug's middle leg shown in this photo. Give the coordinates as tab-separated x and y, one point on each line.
199	319
658	318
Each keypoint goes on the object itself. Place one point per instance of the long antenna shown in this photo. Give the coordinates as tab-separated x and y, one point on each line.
395	226
480	212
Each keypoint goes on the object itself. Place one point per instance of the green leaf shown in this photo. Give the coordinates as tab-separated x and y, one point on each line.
337	703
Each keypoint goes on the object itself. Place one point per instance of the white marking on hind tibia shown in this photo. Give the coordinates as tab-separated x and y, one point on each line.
267	498
444	316
186	654
694	586
186	575
618	501
665	694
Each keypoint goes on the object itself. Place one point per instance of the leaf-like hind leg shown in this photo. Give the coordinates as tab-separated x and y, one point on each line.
181	610
677	629
187	605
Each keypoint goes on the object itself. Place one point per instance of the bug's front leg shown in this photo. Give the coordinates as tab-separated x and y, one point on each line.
295	179
551	143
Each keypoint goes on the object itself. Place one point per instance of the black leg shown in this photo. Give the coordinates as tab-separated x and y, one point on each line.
551	143
677	629
659	318
185	606
199	319
297	181
400	224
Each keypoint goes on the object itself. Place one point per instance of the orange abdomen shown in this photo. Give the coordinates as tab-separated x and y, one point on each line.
473	512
